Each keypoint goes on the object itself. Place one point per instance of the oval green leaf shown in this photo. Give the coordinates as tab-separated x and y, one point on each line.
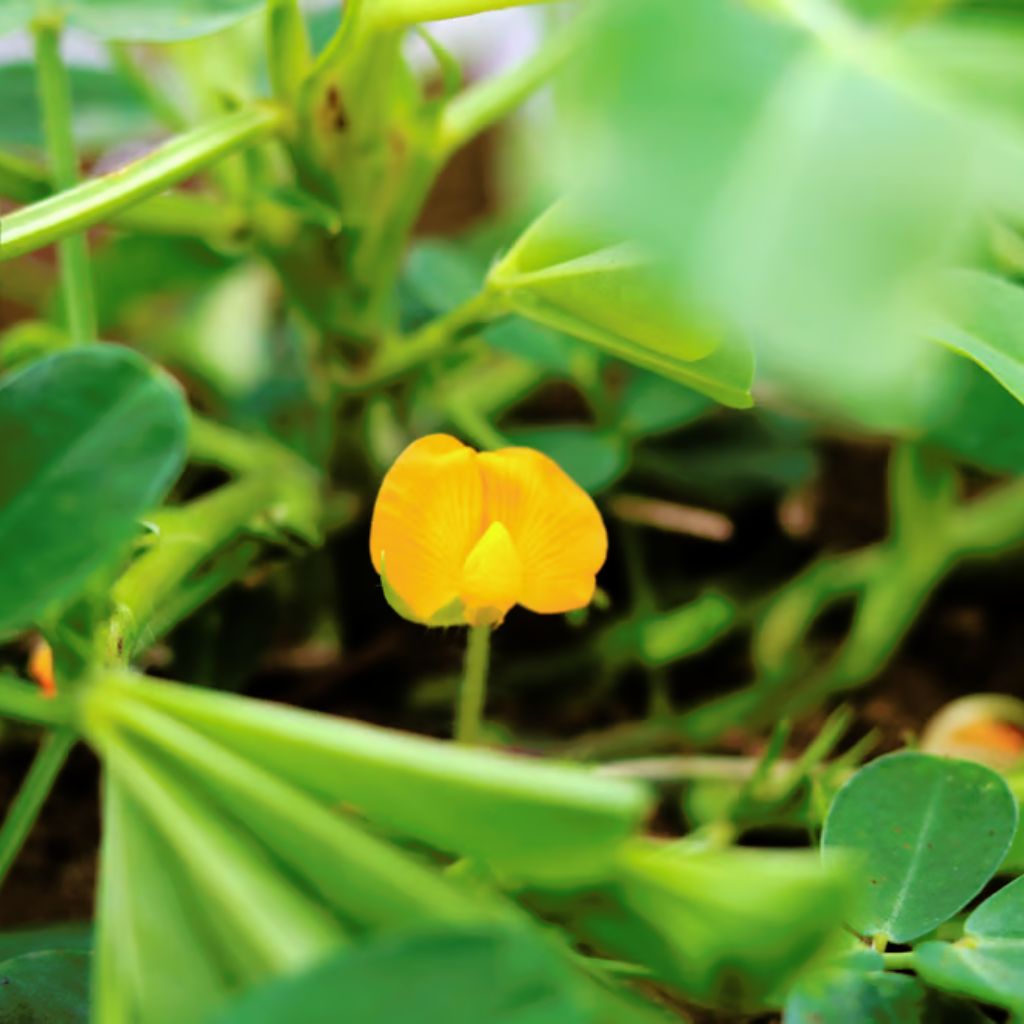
51	987
872	997
930	833
988	963
90	440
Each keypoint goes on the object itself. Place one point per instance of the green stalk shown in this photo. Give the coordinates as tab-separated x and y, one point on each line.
53	752
153	96
898	961
473	692
400	356
188	537
289	54
399	13
176	213
102	198
55	99
483	104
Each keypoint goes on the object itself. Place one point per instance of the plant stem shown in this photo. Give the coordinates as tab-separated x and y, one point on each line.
100	199
898	961
55	100
473	692
25	703
152	95
53	752
481	105
188	537
401	356
397	13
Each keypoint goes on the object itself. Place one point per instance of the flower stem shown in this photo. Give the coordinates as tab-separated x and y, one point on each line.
53	752
473	692
898	961
55	100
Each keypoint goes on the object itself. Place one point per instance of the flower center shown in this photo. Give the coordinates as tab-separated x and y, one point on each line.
492	577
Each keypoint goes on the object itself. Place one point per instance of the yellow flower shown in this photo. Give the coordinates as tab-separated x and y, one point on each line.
461	536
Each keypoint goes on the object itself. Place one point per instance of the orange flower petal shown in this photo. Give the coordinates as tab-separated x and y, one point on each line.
553	523
492	578
428	517
40	668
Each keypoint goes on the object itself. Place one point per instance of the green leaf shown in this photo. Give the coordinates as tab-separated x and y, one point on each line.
155	21
986	324
487	977
837	994
154	918
530	818
988	962
68	937
107	109
652	404
930	831
615	298
442	275
366	882
693	917
90	440
50	987
660	106
595	459
980	421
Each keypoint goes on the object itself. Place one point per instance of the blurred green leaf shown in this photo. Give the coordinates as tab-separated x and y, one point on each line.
651	404
155	21
487	977
442	275
67	937
988	963
50	987
107	109
530	818
851	195
691	917
614	297
930	831
593	458
162	962
91	440
979	420
669	636
544	348
870	998
733	459
986	324
660	108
